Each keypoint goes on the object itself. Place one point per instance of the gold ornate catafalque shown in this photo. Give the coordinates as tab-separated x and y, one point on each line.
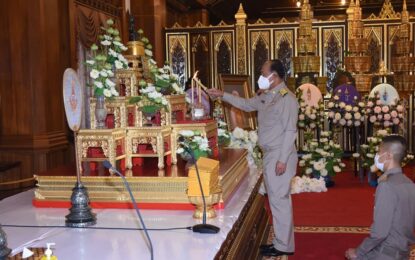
155	188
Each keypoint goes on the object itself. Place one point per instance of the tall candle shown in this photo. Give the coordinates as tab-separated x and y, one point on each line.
200	94
193	93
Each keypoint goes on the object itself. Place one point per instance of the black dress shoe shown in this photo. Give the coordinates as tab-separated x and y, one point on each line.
266	247
274	252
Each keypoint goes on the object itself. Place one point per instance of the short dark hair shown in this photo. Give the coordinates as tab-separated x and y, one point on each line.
397	145
278	67
188	84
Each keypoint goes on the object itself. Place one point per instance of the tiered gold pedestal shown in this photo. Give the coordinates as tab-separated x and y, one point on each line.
158	137
110	141
178	107
116	106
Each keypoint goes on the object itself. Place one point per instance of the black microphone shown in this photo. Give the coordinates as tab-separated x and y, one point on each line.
200	228
109	166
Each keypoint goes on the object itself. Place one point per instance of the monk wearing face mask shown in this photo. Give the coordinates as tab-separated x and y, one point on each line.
392	231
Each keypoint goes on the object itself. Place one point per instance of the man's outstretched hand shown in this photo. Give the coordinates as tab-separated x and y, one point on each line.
215	93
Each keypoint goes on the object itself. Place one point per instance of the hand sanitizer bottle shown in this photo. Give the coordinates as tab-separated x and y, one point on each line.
48	253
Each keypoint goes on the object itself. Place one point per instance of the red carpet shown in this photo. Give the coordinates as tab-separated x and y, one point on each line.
348	203
329	223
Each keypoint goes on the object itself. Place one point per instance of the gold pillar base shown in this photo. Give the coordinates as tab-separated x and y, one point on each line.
211	200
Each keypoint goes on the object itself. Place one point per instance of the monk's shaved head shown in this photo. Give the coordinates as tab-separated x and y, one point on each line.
396	145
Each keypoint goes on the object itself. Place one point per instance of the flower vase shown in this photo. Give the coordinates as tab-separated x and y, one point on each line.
327	179
100	112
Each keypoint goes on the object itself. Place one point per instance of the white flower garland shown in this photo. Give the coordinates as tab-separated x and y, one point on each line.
307	184
242	139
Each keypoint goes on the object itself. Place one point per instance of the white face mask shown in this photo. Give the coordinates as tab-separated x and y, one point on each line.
379	165
264	83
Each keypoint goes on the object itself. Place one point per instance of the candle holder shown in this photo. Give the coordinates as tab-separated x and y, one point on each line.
198	112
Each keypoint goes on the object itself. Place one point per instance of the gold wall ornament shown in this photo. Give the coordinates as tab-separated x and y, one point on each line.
157	137
283	35
200	39
376	31
240	28
283	20
336	32
218	38
260	35
387	11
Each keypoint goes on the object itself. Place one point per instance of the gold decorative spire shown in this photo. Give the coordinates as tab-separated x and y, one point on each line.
405	13
240	15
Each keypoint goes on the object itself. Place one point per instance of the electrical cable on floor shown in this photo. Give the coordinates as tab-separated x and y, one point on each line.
103	228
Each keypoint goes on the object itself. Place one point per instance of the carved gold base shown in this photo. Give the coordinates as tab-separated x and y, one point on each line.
211	200
158	189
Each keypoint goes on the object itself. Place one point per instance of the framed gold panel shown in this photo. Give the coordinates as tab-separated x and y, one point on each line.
374	36
177	43
284	47
237	85
222	43
200	57
333	48
260	51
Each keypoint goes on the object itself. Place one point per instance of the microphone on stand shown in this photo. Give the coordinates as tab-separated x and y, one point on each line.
200	228
109	166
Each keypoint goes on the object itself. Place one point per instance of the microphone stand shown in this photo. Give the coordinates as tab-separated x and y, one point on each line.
203	228
109	166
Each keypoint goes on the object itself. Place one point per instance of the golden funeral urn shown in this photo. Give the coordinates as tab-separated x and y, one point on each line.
135	48
209	178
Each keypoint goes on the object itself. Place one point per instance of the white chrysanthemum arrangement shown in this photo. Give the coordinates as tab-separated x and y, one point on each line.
106	57
346	115
196	142
163	78
321	158
243	139
368	151
384	115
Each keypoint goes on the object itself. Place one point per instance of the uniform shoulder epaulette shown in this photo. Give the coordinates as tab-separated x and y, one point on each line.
283	92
